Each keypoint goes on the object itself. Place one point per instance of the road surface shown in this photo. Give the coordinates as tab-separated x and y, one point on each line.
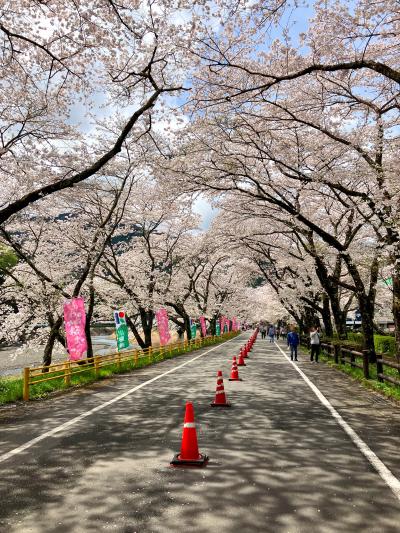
279	460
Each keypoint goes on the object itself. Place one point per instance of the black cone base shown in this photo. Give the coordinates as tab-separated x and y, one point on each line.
227	404
201	461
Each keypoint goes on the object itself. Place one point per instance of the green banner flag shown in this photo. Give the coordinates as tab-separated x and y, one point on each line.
122	337
217	329
121	330
193	330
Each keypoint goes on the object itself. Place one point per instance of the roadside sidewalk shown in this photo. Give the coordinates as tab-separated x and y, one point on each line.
375	418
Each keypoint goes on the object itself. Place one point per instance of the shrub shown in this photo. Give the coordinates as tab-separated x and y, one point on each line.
356	337
385	344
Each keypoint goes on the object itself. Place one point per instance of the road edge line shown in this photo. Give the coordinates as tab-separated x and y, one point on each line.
388	477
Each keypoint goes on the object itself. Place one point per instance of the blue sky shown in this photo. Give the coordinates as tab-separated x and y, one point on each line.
204	209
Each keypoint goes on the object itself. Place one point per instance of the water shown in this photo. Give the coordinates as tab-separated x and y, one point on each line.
101	345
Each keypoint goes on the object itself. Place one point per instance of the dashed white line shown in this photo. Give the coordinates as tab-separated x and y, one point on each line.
387	476
80	417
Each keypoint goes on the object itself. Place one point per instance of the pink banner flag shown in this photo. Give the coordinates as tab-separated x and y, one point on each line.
75	320
203	325
234	326
225	323
162	325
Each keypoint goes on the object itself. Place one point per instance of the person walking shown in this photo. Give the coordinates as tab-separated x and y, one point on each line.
278	331
271	333
283	332
180	333
263	330
293	340
315	344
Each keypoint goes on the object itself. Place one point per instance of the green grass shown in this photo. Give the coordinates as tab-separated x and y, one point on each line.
384	345
11	388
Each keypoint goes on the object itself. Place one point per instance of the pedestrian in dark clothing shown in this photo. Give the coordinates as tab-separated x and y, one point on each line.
263	331
293	340
180	333
315	344
271	333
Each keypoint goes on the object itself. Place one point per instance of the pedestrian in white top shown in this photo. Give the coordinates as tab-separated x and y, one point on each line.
315	343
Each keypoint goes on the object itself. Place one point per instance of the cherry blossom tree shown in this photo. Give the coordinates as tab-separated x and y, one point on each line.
244	161
334	88
59	250
109	62
139	263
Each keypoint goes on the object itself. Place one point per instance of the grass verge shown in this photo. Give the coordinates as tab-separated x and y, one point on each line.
388	390
11	387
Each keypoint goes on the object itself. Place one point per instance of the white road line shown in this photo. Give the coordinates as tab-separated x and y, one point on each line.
387	476
76	419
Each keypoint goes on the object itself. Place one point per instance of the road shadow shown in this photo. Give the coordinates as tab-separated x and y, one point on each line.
278	462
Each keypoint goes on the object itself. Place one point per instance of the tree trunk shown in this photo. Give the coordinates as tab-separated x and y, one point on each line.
339	317
396	306
213	324
188	329
147	318
367	321
89	352
135	332
308	320
61	338
366	302
326	315
180	310
48	350
330	284
89	315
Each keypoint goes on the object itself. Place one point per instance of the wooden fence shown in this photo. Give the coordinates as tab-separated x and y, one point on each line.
380	368
358	359
68	369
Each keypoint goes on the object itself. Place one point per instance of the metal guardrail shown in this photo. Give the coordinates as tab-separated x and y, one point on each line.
67	370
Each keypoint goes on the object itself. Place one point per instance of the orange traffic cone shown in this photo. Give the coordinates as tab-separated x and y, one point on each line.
220	396
189	448
245	351
234	371
241	359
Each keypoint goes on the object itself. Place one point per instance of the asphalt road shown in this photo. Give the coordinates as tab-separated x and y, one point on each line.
279	461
